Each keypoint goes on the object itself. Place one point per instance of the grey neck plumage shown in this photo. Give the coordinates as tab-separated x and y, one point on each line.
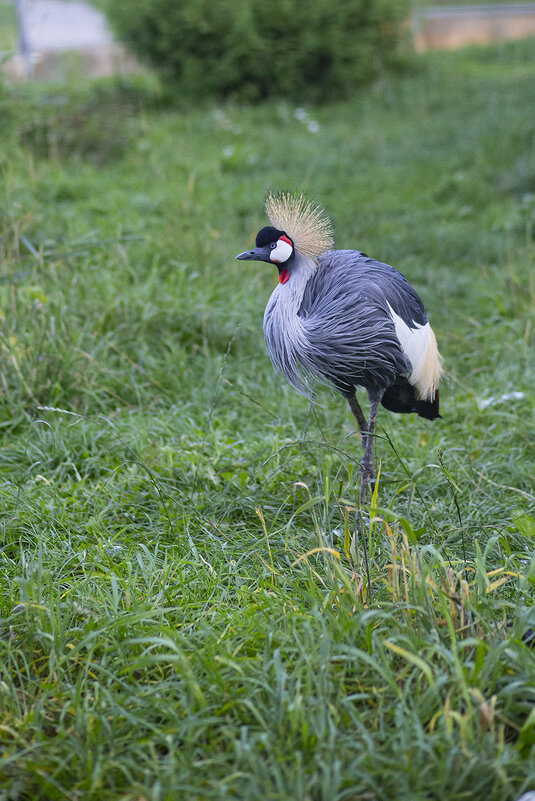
283	327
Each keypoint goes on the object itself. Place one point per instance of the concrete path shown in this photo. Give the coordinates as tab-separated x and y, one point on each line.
50	30
59	25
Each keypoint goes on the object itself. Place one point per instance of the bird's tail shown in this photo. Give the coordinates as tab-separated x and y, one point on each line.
402	397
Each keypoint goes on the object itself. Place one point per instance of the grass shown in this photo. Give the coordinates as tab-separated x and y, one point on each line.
7	27
184	606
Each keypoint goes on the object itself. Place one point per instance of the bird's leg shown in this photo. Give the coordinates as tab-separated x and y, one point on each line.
354	405
366	465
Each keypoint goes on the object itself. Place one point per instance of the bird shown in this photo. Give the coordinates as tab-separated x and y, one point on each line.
341	318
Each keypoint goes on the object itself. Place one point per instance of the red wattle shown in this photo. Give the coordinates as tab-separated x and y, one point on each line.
283	276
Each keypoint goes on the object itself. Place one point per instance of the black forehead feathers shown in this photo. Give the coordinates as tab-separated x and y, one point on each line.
267	235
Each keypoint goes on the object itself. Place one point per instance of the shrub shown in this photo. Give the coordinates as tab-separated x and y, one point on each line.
254	49
91	122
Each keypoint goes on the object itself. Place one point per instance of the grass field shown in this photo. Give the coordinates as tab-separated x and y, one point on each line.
7	26
184	605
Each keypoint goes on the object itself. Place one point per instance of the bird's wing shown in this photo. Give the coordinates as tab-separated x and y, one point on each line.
349	273
365	314
381	282
393	286
348	325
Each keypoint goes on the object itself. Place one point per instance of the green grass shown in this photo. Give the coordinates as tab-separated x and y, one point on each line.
185	611
7	27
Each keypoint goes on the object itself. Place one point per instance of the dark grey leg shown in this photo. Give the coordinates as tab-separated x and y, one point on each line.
354	405
366	465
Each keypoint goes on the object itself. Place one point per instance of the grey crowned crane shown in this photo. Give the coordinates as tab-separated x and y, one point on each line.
340	317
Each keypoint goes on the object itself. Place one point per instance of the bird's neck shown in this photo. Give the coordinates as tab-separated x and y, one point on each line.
290	294
283	327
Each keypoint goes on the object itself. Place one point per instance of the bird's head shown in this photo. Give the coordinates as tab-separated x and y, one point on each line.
273	246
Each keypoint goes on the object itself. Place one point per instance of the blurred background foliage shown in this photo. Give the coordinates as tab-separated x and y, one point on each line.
256	49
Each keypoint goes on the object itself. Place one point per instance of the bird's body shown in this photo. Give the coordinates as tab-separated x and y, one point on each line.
344	319
352	322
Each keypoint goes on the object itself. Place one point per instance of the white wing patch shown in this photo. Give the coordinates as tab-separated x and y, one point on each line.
420	346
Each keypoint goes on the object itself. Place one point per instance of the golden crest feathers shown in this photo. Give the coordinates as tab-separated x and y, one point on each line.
306	223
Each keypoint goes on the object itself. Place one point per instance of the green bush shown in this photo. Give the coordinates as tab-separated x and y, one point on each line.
254	49
87	121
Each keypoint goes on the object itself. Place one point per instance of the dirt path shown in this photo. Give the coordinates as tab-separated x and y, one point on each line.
447	28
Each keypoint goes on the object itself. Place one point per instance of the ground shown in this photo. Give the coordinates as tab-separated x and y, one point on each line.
185	604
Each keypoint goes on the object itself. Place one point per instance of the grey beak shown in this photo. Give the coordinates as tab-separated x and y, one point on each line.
258	254
249	255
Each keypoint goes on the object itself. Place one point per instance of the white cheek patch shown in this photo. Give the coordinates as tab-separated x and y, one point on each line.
282	252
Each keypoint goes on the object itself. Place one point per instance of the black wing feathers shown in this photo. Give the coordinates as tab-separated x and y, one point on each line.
401	397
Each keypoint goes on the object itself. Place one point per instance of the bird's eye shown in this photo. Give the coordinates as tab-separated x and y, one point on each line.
273	245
